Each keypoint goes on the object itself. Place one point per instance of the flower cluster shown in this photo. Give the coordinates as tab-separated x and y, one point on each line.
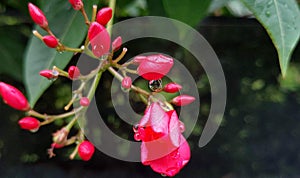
163	146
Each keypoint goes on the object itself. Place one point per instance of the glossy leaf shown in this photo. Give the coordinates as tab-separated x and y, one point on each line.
11	50
190	12
68	25
281	19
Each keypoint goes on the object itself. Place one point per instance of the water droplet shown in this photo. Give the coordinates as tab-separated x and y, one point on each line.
55	73
34	130
181	126
268	13
135	128
155	85
60	52
164	175
137	136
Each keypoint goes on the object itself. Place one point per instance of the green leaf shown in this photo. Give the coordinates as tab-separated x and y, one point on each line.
68	25
281	19
11	50
190	12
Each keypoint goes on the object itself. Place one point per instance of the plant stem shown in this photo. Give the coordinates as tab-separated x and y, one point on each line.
53	117
87	21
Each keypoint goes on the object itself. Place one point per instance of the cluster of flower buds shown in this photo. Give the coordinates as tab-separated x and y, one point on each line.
163	147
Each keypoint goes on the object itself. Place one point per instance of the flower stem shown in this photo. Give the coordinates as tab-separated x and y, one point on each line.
87	21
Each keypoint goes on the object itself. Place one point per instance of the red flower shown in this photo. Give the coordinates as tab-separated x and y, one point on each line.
182	100
154	67
37	15
50	41
104	15
99	38
76	4
29	123
73	72
86	150
49	74
163	146
172	87
13	97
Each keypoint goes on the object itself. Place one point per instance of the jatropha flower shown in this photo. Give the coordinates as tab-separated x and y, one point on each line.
99	38
154	67
163	147
13	97
86	150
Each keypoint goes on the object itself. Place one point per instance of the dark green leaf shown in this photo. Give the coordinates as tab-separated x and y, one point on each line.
190	12
281	19
11	50
68	25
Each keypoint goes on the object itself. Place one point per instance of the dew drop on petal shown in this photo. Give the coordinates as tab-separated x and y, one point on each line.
164	175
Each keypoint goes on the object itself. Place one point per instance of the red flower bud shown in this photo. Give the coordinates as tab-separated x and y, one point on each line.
126	82
86	150
49	74
172	87
99	38
116	44
154	67
104	15
29	123
84	101
74	72
76	4
13	97
37	15
50	41
182	100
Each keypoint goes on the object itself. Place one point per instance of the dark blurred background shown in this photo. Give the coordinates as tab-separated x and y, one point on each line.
258	137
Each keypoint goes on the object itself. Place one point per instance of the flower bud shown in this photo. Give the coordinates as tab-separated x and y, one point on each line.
49	74
74	72
60	136
104	15
84	101
155	66
126	82
50	41
86	150
116	44
99	38
29	123
37	15
76	4
13	97
172	87
182	100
